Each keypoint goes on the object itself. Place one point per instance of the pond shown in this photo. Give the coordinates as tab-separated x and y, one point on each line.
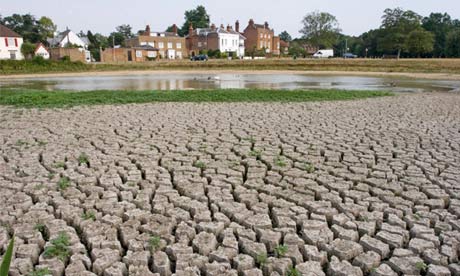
185	81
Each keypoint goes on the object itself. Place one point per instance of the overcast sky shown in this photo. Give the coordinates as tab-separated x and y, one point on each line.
354	16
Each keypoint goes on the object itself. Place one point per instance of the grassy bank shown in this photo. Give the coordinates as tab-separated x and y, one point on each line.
51	99
451	66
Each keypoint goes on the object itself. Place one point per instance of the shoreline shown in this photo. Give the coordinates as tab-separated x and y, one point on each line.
410	75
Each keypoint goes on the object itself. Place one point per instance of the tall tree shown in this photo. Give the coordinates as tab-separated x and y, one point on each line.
321	29
453	43
439	24
119	37
46	27
397	24
126	30
198	17
419	42
285	36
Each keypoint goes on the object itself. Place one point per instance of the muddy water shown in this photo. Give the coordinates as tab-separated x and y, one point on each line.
230	81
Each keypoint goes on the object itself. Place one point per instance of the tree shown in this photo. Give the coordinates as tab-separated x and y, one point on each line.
396	25
285	36
439	24
96	42
419	42
198	17
321	29
46	27
125	30
27	50
30	28
453	43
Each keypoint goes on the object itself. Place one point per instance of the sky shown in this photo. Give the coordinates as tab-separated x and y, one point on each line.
102	16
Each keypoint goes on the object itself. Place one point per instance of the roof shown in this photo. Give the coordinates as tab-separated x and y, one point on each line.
7	32
208	31
38	45
61	36
161	34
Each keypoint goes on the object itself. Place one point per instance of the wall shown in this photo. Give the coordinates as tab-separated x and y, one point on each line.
5	51
75	54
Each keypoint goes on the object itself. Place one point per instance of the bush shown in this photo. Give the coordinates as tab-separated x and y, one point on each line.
65	58
39	60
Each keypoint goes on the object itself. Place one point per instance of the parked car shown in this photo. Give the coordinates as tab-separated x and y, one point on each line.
199	57
324	54
349	55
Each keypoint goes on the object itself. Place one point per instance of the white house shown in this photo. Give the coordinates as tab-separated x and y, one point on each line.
41	51
10	44
226	40
68	38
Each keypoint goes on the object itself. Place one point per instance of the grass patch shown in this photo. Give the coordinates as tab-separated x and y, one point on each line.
335	64
281	250
54	99
200	165
83	159
90	215
40	272
154	243
59	247
64	183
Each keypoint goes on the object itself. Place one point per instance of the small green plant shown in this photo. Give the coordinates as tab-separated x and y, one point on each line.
154	243
21	143
261	259
59	247
59	164
64	183
309	168
41	143
281	250
5	266
88	215
40	272
255	153
83	159
51	175
373	270
416	217
40	227
131	184
421	266
293	272
279	161
199	164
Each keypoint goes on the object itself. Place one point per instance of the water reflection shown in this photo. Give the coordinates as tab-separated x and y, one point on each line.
229	81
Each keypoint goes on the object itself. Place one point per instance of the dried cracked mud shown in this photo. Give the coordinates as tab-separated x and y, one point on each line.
368	187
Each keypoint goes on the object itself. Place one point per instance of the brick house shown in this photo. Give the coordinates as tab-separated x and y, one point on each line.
226	40
10	44
261	37
284	47
169	44
134	54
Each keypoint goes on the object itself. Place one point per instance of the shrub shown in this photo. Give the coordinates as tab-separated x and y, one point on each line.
59	247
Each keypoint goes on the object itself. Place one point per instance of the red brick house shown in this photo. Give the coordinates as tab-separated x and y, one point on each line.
261	37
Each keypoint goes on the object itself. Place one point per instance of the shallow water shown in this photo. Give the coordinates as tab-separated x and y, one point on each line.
230	81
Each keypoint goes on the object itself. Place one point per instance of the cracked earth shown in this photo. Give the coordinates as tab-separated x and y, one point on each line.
368	187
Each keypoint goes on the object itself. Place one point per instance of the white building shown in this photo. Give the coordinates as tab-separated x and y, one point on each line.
226	40
41	51
10	44
69	38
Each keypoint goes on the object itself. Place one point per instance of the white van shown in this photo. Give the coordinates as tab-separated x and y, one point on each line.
324	54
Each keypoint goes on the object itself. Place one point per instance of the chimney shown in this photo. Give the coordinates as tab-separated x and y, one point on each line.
174	28
229	28
266	25
213	27
147	30
222	26
251	22
237	26
190	29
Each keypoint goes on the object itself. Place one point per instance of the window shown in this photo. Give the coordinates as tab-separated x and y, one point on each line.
143	43
151	44
11	42
138	54
151	54
261	35
12	54
269	36
178	45
161	45
170	45
261	44
200	44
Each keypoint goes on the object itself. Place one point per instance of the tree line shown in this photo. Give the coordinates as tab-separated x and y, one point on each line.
402	33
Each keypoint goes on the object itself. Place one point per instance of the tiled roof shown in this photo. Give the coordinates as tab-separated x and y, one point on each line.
7	32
